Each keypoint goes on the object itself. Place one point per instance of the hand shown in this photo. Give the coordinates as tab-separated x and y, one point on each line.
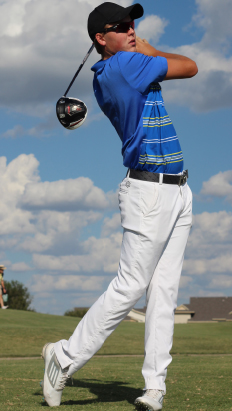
143	47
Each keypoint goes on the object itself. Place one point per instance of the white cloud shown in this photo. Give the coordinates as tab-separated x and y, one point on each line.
221	282
215	228
12	26
209	245
219	185
16	131
40	130
43	46
58	232
199	93
19	267
151	28
71	194
111	225
215	18
220	264
13	179
66	283
41	228
185	281
37	47
213	57
96	255
208	293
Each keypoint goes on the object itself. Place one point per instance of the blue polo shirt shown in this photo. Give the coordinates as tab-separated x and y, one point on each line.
127	90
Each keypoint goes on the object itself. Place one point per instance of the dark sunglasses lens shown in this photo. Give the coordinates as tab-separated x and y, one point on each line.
125	27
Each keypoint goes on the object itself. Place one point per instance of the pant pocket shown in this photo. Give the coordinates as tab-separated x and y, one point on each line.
129	199
149	193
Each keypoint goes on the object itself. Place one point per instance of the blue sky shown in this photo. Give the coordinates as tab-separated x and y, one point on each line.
59	222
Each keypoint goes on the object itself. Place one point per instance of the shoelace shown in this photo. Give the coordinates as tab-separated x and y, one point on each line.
156	394
63	379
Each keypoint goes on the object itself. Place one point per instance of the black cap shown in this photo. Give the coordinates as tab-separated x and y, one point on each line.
108	13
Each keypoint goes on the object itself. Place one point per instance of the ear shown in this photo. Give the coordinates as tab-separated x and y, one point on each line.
100	39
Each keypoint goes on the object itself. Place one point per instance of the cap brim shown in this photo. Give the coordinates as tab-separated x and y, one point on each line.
135	12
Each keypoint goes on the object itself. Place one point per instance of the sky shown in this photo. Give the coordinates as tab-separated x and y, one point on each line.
60	231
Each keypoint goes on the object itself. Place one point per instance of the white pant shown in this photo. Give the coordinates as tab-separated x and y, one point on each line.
156	219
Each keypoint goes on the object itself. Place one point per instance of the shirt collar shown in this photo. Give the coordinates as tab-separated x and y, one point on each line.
99	65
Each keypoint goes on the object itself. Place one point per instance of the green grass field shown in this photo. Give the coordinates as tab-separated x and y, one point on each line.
24	333
195	383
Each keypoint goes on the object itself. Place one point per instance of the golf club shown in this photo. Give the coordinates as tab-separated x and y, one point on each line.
72	112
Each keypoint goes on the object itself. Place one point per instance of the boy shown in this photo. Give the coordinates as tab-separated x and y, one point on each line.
154	200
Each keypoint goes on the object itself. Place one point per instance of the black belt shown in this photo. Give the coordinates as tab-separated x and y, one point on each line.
154	177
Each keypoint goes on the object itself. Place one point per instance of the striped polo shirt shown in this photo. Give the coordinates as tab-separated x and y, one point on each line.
127	89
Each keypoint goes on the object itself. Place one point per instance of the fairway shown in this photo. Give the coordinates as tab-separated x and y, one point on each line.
199	378
193	383
24	333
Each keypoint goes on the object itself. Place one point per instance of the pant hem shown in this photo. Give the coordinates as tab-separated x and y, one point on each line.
63	359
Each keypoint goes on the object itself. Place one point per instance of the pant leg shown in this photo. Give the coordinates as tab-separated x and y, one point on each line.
148	212
162	300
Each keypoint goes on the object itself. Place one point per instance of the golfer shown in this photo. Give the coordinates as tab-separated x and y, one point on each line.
155	202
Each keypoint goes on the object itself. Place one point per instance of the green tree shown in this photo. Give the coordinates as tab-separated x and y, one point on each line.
76	312
19	297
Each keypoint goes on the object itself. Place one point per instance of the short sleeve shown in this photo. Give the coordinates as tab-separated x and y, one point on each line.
140	70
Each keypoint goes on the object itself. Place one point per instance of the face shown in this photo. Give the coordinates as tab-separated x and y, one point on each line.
115	42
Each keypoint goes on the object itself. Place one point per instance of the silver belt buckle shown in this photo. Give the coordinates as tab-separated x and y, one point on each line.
183	179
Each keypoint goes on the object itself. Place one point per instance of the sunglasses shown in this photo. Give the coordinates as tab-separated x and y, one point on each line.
123	27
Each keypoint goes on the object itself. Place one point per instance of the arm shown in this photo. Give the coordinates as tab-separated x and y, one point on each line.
3	286
178	66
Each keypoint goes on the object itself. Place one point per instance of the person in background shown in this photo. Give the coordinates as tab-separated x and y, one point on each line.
2	287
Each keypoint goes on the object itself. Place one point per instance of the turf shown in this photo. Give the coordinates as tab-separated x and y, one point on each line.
24	334
193	384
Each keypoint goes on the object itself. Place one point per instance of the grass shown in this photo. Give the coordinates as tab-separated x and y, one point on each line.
24	334
193	384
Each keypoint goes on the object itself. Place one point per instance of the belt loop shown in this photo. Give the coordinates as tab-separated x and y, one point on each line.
161	176
128	174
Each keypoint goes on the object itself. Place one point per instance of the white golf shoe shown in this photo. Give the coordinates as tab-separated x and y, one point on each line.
151	400
55	377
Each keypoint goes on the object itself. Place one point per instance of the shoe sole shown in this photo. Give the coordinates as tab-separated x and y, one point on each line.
140	406
43	356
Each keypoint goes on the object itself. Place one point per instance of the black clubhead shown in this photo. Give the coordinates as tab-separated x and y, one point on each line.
71	112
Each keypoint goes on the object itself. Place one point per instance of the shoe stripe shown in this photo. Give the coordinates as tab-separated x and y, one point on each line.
53	373
55	376
51	370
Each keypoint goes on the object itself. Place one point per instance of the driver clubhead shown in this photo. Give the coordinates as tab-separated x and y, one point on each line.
71	112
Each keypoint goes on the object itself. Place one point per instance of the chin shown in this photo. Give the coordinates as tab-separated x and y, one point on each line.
132	47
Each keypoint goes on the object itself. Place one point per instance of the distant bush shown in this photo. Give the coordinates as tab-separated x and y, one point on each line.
76	312
19	297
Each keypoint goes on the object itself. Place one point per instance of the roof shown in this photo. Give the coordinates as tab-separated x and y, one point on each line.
183	309
141	310
210	308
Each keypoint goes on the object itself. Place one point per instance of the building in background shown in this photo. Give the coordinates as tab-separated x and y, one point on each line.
200	309
210	308
182	315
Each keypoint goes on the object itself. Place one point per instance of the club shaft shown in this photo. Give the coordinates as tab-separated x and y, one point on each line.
79	69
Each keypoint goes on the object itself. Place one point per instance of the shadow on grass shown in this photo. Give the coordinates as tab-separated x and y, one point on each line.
107	391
